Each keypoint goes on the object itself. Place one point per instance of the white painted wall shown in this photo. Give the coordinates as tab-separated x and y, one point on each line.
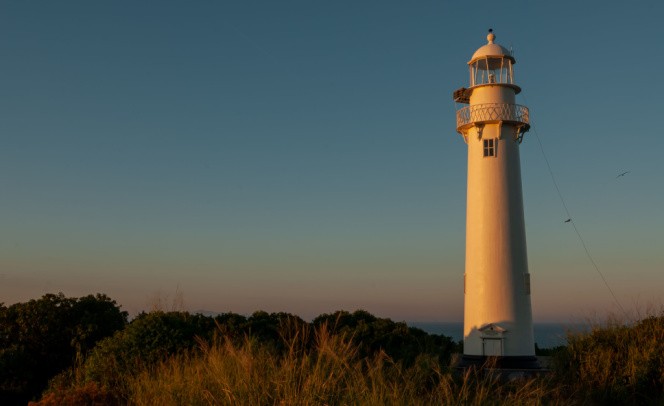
496	259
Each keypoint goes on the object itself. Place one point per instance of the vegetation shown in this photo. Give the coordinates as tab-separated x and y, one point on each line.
155	338
370	335
329	373
40	338
277	358
615	363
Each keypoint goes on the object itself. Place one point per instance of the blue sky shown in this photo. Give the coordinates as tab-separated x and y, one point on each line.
302	156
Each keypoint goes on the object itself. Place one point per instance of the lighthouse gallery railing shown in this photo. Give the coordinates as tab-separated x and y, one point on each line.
492	112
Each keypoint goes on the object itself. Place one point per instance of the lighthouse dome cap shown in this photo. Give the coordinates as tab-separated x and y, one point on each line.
492	49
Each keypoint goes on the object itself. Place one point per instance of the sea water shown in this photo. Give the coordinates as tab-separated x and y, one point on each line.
547	335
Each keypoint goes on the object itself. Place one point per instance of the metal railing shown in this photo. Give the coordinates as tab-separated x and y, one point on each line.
492	112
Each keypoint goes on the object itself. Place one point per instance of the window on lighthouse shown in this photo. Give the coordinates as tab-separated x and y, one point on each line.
489	147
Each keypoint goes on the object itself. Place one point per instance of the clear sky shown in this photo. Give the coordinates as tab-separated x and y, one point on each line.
301	156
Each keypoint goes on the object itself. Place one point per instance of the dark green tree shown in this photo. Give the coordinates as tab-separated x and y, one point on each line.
372	334
42	337
148	339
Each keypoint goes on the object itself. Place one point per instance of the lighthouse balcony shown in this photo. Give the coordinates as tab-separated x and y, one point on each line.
493	113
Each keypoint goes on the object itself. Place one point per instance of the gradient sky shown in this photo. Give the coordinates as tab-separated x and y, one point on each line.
301	156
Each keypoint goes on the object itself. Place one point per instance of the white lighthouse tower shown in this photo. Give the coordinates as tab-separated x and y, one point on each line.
497	313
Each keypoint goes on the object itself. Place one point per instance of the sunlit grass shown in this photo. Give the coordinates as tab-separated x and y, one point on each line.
617	363
331	373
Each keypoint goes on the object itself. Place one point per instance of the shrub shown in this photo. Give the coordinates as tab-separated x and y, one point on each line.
616	364
147	340
400	342
88	394
330	371
42	337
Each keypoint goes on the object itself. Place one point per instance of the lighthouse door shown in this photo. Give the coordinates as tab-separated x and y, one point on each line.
492	347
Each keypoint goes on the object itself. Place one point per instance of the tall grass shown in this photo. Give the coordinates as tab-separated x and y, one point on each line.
329	374
613	364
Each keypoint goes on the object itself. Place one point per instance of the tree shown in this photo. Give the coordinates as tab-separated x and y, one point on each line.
372	334
148	339
42	337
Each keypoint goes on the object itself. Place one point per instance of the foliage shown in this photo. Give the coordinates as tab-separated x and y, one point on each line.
278	358
151	338
40	338
548	352
616	364
148	339
400	342
331	371
88	394
269	328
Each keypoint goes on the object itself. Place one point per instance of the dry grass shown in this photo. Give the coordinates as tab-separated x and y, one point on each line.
613	364
330	374
616	363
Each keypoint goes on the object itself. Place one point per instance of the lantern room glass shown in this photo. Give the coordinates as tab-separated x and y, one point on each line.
489	70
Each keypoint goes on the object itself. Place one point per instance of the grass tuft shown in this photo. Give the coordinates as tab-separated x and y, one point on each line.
617	363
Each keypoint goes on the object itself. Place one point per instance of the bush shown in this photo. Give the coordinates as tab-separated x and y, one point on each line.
147	340
88	394
616	364
42	337
329	372
400	342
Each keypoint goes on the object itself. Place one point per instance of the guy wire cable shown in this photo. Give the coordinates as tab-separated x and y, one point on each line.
571	219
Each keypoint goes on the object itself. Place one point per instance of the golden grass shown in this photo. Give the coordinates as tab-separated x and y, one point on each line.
617	363
330	374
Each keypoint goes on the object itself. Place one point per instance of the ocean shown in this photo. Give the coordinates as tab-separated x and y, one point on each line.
547	335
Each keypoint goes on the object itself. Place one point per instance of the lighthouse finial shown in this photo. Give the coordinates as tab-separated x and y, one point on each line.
491	36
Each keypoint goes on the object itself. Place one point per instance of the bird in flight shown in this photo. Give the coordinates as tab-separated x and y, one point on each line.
623	174
568	220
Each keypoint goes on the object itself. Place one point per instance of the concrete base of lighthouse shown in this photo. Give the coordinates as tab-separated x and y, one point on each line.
505	362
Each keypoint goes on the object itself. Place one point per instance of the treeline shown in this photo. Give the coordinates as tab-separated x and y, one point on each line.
43	337
69	341
84	351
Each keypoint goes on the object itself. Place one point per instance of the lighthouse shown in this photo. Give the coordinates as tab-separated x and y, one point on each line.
497	311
